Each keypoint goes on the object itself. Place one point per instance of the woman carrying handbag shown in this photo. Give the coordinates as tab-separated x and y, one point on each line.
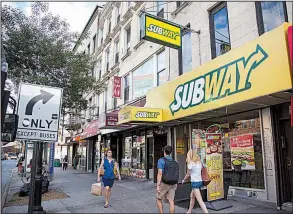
107	171
199	178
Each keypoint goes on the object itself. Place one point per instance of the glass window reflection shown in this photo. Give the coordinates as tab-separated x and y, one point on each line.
221	32
186	52
273	15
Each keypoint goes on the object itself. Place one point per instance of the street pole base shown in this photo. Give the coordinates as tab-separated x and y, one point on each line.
38	210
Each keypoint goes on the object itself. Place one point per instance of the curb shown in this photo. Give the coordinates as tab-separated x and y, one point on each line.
6	190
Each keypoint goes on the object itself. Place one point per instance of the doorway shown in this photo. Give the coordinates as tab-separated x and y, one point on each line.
287	161
150	157
160	141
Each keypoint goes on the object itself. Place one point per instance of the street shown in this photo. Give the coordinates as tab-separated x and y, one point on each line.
7	166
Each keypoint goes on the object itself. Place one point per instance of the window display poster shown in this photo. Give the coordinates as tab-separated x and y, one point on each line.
242	152
214	163
180	146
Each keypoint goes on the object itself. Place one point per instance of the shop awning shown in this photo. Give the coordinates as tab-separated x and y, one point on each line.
75	139
10	144
91	129
253	76
140	115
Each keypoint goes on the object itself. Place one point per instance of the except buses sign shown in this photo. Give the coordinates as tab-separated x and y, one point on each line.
161	31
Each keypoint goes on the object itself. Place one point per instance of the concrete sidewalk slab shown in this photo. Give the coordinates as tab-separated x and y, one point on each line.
128	196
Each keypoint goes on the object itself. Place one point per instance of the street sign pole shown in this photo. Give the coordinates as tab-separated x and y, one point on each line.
32	183
37	205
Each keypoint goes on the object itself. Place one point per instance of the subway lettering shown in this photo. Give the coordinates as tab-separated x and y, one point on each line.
162	31
227	80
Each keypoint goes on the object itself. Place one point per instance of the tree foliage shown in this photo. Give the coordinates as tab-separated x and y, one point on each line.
39	50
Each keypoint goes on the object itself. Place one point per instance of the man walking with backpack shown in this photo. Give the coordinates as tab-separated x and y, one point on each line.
167	179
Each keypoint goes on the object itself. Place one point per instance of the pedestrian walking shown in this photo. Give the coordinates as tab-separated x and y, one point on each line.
194	167
107	169
167	179
65	163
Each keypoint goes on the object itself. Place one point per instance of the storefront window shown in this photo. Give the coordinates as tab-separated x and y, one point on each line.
238	143
134	156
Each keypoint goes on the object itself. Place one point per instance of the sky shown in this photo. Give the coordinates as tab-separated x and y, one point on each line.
77	14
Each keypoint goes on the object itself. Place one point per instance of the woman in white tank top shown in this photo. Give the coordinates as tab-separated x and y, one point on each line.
194	167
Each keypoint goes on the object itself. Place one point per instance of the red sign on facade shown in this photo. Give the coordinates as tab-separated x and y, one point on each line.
290	43
117	87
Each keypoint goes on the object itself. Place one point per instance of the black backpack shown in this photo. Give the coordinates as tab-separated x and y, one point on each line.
170	172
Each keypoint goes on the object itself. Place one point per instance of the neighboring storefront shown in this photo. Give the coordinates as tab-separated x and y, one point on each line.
225	109
72	146
89	137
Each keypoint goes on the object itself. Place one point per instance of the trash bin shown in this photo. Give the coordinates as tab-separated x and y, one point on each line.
57	163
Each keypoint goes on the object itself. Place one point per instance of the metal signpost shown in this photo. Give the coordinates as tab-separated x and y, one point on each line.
39	113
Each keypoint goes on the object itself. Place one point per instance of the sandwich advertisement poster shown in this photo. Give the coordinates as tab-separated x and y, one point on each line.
242	152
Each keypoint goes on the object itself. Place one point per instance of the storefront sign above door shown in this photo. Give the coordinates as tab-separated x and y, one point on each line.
161	31
232	78
132	114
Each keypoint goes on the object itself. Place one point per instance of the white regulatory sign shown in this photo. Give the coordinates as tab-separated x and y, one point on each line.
39	112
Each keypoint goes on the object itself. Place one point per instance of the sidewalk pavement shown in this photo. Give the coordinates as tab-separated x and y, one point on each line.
128	196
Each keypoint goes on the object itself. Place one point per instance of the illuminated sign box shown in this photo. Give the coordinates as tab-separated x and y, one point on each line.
161	31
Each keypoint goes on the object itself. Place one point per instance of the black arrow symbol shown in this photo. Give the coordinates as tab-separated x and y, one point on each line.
45	96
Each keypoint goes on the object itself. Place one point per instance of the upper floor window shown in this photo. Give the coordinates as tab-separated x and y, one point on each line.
107	60
141	25
126	88
161	69
118	13
101	36
128	4
270	15
100	68
116	51
128	37
94	43
160	8
109	26
219	30
179	3
106	99
186	50
89	48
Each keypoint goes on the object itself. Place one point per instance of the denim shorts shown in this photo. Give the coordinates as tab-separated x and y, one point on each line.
196	185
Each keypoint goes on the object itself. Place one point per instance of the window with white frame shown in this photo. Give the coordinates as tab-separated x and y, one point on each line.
128	38
107	60
116	51
161	68
143	79
160	8
126	88
128	4
118	14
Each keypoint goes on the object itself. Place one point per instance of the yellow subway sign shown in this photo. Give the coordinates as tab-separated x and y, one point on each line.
258	68
133	114
161	31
